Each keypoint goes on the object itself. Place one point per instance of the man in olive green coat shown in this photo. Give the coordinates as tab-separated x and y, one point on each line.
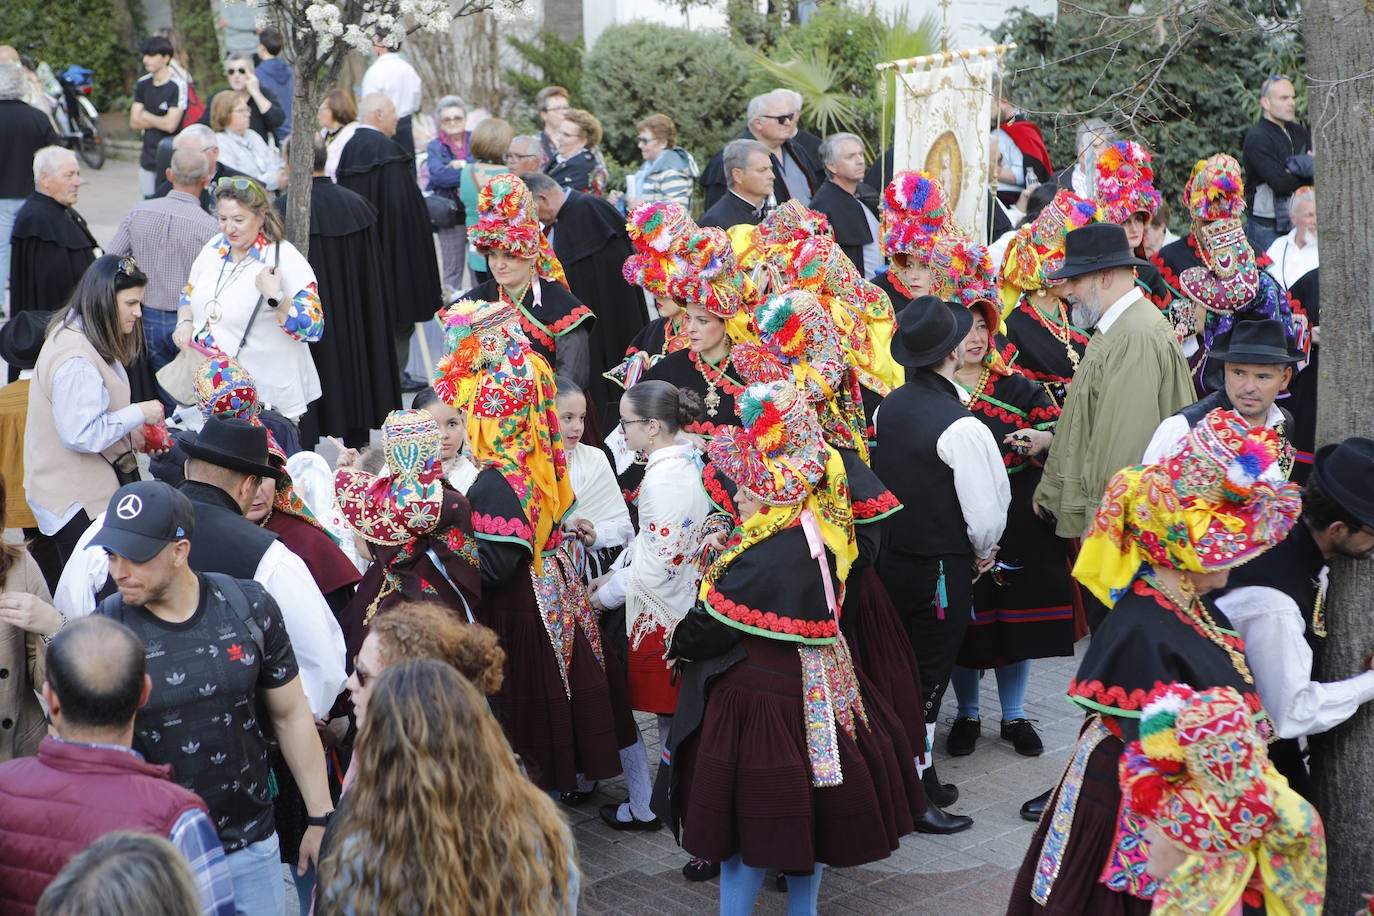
1133	375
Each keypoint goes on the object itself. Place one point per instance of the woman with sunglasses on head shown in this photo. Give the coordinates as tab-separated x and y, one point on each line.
252	296
240	147
82	431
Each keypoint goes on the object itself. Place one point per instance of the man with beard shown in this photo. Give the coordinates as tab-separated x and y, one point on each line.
1132	376
382	171
1277	604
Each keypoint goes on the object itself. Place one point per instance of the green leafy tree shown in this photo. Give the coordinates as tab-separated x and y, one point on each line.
90	33
697	79
1180	76
558	62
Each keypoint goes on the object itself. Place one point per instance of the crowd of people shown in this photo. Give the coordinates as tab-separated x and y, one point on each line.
780	476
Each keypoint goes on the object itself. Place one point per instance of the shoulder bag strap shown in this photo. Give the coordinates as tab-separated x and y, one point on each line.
257	306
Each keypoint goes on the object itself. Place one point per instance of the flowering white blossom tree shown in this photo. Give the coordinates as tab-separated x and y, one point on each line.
317	36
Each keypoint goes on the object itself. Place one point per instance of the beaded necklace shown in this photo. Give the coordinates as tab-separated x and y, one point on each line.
1058	326
712	399
1195	613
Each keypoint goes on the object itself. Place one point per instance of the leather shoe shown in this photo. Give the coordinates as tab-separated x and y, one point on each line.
573	799
940	794
963	736
608	814
1023	737
941	823
1033	809
700	869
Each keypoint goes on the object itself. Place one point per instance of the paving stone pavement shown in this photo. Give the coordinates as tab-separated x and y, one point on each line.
969	873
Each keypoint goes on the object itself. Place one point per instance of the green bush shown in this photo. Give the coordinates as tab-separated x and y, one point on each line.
84	32
697	79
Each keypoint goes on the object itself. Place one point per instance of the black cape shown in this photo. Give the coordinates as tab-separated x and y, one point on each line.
590	240
1306	291
51	247
714	181
846	214
355	359
730	210
375	166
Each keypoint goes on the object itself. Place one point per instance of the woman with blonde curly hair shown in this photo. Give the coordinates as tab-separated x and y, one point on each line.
441	820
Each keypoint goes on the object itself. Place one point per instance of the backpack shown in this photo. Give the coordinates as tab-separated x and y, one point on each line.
195	108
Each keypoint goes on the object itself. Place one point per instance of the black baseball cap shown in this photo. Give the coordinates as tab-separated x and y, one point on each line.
143	518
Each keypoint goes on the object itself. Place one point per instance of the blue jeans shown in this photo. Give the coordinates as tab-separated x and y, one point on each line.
157	341
259	889
9	209
740	885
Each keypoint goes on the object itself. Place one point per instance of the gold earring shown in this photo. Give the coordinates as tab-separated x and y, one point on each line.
1186	587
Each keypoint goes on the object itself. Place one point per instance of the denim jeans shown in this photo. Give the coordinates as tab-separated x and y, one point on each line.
157	342
9	209
259	889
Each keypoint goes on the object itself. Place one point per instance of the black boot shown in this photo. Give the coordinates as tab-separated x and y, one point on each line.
941	823
1032	809
942	795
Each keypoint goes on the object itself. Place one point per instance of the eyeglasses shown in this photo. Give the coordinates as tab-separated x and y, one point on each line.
452	118
242	184
230	71
559	108
644	141
624	422
511	157
782	118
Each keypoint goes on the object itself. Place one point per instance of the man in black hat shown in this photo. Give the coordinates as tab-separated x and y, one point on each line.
1276	604
943	464
224	468
215	646
1257	365
1131	377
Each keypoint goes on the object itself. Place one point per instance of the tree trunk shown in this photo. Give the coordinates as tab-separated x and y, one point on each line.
1340	57
301	155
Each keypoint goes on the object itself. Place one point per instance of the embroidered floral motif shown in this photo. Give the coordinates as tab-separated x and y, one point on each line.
1061	820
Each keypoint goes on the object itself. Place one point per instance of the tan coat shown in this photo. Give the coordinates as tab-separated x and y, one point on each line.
23	668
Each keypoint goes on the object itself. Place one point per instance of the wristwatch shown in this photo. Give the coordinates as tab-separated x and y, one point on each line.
321	821
273	303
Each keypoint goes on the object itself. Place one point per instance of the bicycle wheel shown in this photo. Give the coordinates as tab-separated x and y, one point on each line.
89	145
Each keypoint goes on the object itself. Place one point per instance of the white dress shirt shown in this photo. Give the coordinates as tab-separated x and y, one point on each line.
980	478
1169	435
393	76
1281	661
598	496
1289	261
315	635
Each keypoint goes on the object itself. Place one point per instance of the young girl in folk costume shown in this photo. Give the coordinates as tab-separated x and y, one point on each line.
459	469
1048	346
563	707
1165	535
526	275
777	759
658	231
420	530
656	578
601	528
915	210
1226	831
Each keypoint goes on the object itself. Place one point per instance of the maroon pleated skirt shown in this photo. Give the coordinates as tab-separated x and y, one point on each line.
882	652
747	776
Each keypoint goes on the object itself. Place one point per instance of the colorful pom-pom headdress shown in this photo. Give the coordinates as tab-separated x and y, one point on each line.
914	210
1217	502
714	281
659	232
1125	182
404	504
1201	774
508	221
1038	248
1215	190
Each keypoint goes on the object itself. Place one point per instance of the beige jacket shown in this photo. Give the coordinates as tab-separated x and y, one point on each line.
23	668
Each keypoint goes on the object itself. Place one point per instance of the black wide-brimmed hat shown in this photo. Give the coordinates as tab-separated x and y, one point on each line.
21	339
1096	246
1344	472
233	443
928	330
1262	342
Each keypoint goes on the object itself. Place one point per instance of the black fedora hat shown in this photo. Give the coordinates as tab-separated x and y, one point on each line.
1344	472
21	338
233	443
1096	246
928	330
1262	342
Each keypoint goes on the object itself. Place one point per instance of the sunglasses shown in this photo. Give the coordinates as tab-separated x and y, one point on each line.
232	70
782	118
1278	76
129	267
242	184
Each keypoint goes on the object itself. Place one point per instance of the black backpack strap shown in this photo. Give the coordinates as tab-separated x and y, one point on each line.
241	606
112	607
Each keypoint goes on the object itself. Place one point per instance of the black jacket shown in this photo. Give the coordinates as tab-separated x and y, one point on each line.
715	183
1265	152
24	130
845	212
264	122
731	210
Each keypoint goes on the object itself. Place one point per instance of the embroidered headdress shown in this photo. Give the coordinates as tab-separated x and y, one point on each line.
659	232
509	221
713	280
1201	774
507	391
914	210
1217	502
1125	182
1038	248
1215	190
404	504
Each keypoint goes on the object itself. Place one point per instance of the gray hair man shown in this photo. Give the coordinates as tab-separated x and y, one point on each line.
771	119
751	179
24	130
849	204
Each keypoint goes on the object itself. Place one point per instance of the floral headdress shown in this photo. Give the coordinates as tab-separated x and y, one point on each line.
659	232
508	221
507	391
1038	248
1201	774
1125	182
791	222
914	210
404	504
1215	190
1217	502
225	389
713	280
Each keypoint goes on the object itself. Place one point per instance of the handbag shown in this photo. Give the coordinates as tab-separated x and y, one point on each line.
444	212
125	467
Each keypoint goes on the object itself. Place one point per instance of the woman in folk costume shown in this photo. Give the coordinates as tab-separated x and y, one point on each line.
1226	830
562	706
419	529
1214	275
1164	536
526	275
1024	608
1125	194
658	232
1048	345
793	249
776	757
915	211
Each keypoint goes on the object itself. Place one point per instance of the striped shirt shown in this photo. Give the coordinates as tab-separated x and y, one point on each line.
165	235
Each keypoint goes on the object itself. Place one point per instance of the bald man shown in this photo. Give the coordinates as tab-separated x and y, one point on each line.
201	139
381	170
